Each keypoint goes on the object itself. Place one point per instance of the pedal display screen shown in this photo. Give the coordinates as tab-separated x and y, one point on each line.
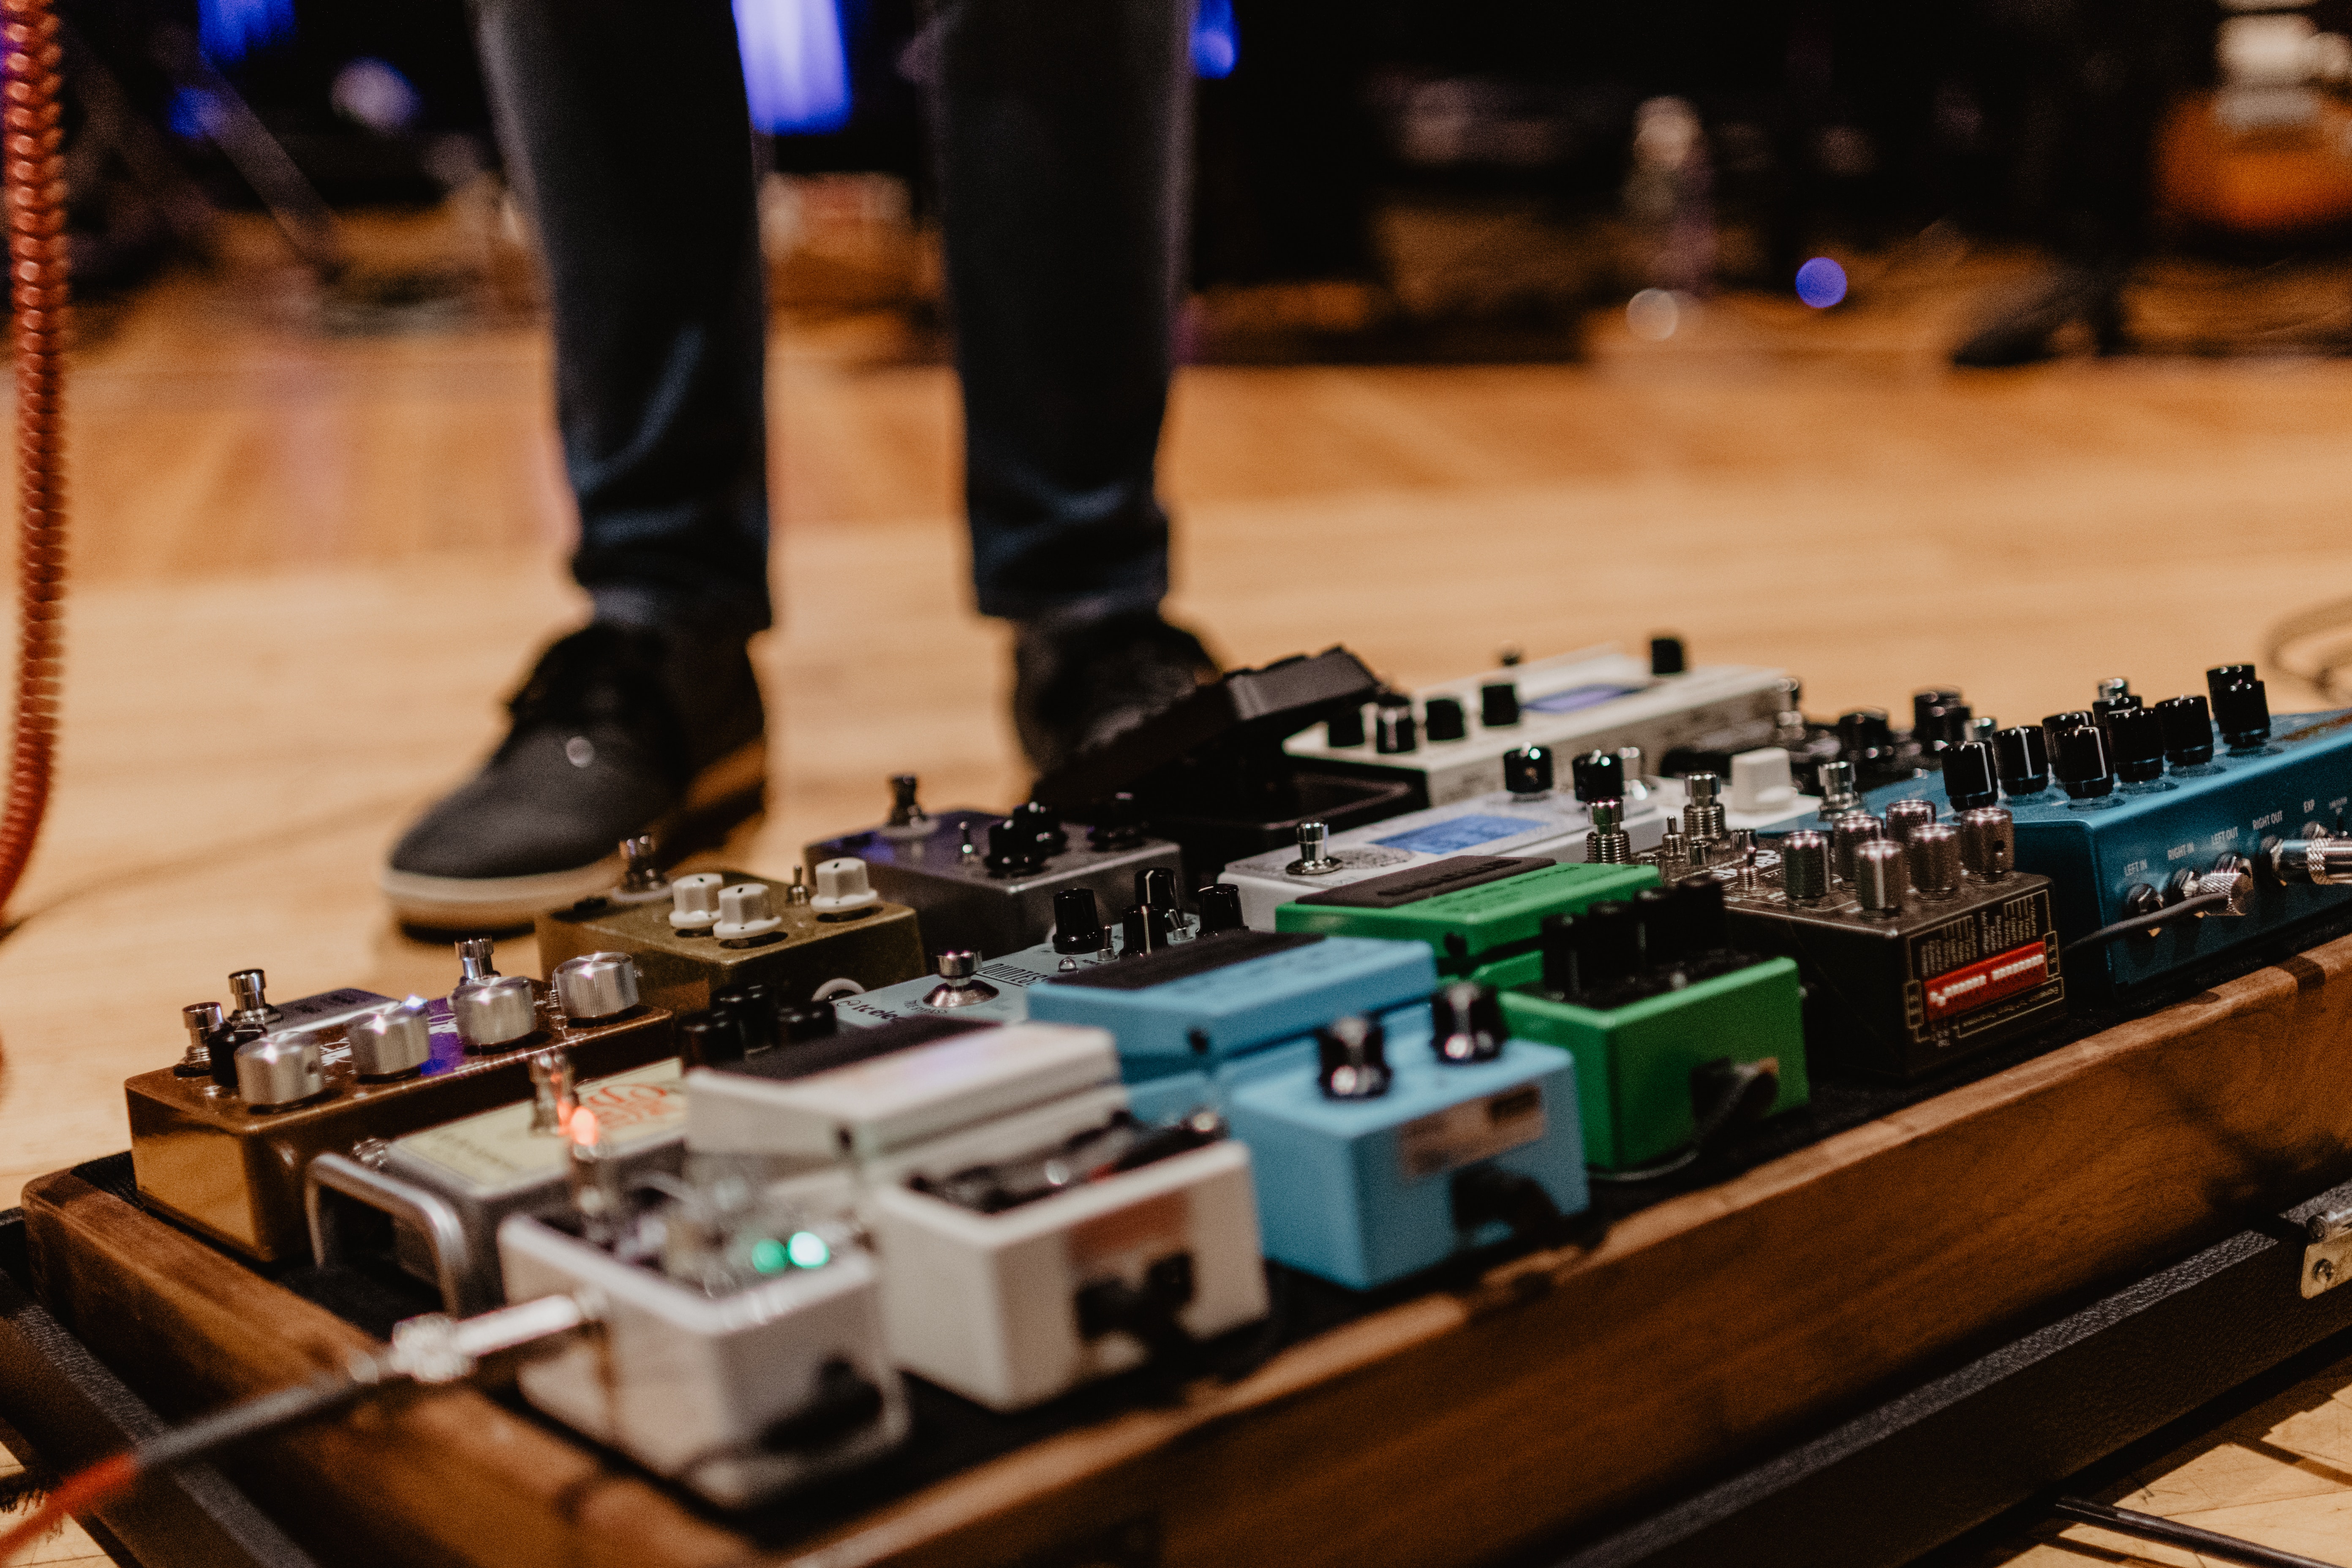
1576	697
1460	832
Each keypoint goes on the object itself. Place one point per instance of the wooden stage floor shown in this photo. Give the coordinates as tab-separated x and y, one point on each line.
307	567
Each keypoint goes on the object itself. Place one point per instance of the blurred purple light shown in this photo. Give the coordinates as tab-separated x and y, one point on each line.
794	72
1216	42
228	30
1821	284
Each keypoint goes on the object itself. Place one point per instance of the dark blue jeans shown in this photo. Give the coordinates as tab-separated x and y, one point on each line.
1062	129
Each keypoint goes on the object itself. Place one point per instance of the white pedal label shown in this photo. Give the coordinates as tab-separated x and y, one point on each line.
1477	1129
496	1147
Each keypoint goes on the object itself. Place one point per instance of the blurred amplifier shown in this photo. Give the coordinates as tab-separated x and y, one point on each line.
1448	740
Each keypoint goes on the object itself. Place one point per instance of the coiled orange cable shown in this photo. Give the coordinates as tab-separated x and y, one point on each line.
34	144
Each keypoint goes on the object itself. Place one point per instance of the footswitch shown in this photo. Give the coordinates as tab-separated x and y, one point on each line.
1394	1144
737	1350
221	1141
1070	1259
1680	1039
2133	810
1594	699
1528	817
1474	913
985	881
1914	953
720	929
441	1192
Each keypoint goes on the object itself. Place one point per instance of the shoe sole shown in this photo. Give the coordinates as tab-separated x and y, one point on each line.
491	903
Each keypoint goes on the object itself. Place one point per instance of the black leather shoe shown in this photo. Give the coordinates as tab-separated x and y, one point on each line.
1074	686
618	731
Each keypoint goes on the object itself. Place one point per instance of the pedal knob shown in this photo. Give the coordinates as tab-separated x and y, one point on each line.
1345	729
2243	710
841	885
391	1041
1466	1023
1760	782
1442	719
598	985
1078	921
1156	886
1119	821
1528	771
1221	908
1699	902
2081	762
1881	875
284	1068
1929	707
1805	867
1904	817
1393	730
1969	777
747	910
1988	842
1314	860
2021	758
959	984
2187	731
1847	835
694	902
1667	656
1935	848
1498	705
1352	1060
495	1014
1043	826
1598	776
2135	739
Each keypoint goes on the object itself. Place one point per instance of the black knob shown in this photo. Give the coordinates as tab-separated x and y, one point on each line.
1442	719
1666	655
2022	758
1944	726
1609	944
2243	710
1466	1023
1043	824
1699	904
1528	771
1498	705
1078	921
708	1040
1599	775
2222	675
1393	729
2136	743
1926	706
1221	908
1665	940
2187	731
753	1007
1142	930
2106	707
1969	775
1562	943
1012	848
1156	886
2055	724
1353	1060
220	1050
807	1021
1345	728
1117	822
1865	732
2081	763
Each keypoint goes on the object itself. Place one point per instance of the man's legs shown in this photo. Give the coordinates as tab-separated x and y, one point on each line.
1064	131
627	139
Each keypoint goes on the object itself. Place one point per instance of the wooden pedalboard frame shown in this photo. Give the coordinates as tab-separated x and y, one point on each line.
1552	1400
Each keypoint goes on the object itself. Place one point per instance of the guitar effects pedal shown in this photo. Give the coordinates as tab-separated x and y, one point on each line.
738	1347
714	929
1474	913
1679	1037
983	881
1918	945
1529	818
1448	740
221	1141
441	1192
2202	801
1390	1145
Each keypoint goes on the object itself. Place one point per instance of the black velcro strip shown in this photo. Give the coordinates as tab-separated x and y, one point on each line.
1418	882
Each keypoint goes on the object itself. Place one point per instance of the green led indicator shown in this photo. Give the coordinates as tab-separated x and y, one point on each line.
770	1257
808	1249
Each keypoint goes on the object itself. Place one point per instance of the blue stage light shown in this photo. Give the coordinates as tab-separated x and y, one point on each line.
1821	284
1216	43
228	30
794	70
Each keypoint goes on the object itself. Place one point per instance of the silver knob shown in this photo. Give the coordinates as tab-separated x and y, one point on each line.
1805	867
200	1020
642	878
477	959
596	986
747	911
1988	842
1905	816
1847	833
496	1014
959	986
694	902
283	1069
1608	844
1314	860
1838	793
1879	875
1936	859
391	1040
841	885
248	999
1702	817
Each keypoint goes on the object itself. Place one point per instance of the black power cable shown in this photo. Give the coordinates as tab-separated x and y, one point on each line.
2169	1532
2185	909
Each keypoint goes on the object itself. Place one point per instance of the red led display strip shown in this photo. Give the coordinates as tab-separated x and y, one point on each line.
1988	980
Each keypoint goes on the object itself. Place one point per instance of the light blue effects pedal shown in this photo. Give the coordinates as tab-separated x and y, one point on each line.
1391	1144
2131	810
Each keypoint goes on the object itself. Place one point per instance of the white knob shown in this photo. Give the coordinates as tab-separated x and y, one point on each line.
1760	782
746	911
694	901
842	885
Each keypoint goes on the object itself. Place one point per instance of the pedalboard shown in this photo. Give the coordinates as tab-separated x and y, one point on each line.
1474	913
1679	1037
985	881
709	931
2129	809
222	1141
1447	742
